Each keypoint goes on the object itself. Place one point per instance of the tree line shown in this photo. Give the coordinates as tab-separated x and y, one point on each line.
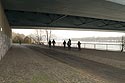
39	36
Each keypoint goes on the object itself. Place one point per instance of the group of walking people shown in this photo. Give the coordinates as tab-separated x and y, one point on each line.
64	44
53	42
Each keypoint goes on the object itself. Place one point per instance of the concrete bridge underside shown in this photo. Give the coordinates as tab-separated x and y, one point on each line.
81	14
23	19
84	14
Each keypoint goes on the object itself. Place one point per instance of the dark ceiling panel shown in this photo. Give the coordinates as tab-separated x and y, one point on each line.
85	8
21	18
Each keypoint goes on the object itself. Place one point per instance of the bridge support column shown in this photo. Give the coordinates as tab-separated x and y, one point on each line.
5	33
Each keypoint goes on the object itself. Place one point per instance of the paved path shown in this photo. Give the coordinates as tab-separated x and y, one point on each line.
33	64
113	58
110	73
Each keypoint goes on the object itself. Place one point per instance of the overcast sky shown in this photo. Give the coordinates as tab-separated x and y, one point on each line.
74	34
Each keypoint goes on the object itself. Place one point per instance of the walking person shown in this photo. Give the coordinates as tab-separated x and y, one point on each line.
79	45
122	47
123	44
53	42
49	43
69	44
20	42
70	40
64	43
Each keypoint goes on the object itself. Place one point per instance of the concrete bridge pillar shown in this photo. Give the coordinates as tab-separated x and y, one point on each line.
5	33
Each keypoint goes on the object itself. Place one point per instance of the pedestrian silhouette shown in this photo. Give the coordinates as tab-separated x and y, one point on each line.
70	40
49	43
79	45
123	44
122	47
53	42
69	44
20	42
64	43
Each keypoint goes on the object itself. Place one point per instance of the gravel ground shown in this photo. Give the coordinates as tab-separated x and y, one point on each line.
102	72
116	59
25	65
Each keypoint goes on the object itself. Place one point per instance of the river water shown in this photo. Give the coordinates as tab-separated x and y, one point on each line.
112	46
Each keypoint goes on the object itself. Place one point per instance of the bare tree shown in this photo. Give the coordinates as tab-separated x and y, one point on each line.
38	34
47	35
42	35
16	37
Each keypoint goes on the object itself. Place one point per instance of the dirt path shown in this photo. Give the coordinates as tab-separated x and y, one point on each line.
97	70
113	58
24	65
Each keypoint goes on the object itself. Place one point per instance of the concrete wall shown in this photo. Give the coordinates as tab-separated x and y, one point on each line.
5	33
